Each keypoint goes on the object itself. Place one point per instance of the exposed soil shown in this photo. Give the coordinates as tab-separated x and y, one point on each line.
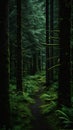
39	121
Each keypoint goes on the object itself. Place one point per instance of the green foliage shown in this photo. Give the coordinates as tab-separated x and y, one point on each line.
65	116
54	86
48	97
28	98
47	108
45	97
33	33
20	109
42	80
48	102
31	84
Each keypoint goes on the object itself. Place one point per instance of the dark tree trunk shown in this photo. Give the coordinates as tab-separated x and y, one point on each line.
12	62
31	65
72	44
19	48
39	60
72	63
34	69
64	91
47	42
51	40
4	67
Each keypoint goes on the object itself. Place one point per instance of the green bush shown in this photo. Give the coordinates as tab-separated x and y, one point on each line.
20	110
30	86
65	116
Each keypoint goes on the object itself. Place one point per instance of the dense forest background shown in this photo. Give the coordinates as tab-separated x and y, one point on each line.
36	65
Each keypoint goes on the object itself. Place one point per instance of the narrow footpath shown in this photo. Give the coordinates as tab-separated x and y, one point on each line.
39	121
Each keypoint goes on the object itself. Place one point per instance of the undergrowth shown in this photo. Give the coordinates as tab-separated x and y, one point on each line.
20	104
20	110
49	105
30	85
65	116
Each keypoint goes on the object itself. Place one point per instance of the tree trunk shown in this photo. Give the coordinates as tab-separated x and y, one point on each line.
64	91
19	48
39	60
51	40
4	67
34	69
47	42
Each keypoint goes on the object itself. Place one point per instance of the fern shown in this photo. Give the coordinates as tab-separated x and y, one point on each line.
20	111
28	98
65	116
61	113
47	108
31	85
45	97
48	97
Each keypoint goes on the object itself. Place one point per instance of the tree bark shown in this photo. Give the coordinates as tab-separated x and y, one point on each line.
39	61
64	92
4	67
19	48
47	42
34	69
51	39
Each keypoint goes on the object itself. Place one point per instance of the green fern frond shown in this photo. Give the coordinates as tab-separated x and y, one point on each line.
61	113
45	96
46	108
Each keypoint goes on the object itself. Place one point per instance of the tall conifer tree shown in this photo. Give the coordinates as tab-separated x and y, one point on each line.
4	67
19	48
64	39
47	42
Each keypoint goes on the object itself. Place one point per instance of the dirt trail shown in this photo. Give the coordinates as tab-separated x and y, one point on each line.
39	121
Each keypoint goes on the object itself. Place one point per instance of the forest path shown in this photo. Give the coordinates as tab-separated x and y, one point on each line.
39	121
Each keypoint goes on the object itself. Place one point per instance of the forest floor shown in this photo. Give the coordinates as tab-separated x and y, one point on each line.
34	109
39	121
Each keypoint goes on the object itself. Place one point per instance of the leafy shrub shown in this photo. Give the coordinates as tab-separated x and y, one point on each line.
65	116
31	86
48	108
48	103
20	110
48	97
